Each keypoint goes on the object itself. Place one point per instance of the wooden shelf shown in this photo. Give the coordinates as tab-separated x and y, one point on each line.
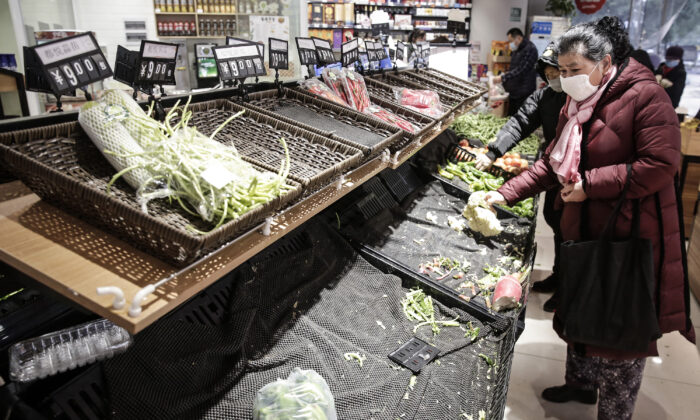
74	258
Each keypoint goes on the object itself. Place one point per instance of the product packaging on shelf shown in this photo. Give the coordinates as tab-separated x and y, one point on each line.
388	116
319	88
355	90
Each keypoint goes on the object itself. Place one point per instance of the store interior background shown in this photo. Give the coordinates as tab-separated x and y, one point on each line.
671	383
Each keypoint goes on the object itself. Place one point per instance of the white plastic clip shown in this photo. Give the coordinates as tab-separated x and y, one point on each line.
396	158
340	182
141	295
119	301
267	227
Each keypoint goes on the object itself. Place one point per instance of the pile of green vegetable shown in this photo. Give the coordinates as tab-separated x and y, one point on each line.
303	395
160	160
485	127
417	306
476	180
525	208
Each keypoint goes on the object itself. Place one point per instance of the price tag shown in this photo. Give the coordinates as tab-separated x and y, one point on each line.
400	50
240	41
156	63
307	51
324	51
279	54
381	51
457	21
349	52
239	61
372	52
380	28
66	64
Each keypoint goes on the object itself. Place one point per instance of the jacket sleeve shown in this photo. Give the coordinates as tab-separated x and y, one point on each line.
526	64
657	151
539	177
518	127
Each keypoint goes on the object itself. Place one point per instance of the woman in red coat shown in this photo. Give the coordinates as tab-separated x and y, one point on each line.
616	115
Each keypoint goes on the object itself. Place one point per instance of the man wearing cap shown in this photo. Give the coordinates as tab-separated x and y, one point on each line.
671	74
540	108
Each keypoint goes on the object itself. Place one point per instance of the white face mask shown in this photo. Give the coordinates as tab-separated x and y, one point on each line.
555	84
579	87
513	46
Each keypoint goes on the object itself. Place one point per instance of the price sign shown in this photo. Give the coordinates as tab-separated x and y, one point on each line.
372	53
400	50
349	52
457	21
307	51
64	65
240	41
381	51
324	51
279	54
380	28
238	61
156	63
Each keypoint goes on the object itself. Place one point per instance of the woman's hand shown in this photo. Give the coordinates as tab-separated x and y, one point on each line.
573	193
483	162
494	197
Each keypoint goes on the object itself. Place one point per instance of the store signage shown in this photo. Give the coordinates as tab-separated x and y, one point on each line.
349	52
307	51
400	50
324	51
64	65
380	28
156	63
541	28
381	51
588	7
457	21
240	41
279	54
238	61
372	52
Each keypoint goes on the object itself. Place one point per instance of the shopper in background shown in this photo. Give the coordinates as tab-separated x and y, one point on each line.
616	115
671	74
540	109
521	79
643	58
415	37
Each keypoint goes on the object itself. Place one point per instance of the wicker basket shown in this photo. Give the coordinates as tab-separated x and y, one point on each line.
314	159
447	97
337	122
422	122
380	90
62	165
449	81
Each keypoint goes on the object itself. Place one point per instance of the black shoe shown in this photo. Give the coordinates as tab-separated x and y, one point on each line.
565	393
551	304
547	285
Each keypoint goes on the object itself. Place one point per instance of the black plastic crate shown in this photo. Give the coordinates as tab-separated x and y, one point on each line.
401	181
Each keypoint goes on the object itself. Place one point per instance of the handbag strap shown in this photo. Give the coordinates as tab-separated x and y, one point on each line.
609	229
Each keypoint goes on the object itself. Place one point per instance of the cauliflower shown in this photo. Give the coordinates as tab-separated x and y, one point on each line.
456	224
480	217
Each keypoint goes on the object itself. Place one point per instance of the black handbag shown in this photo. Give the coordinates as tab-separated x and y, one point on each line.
605	294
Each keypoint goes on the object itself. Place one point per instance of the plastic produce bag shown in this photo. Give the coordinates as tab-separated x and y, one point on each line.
430	112
355	90
304	395
334	80
424	101
319	88
387	116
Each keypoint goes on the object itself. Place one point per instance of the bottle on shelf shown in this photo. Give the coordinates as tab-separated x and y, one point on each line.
169	6
190	6
205	6
176	6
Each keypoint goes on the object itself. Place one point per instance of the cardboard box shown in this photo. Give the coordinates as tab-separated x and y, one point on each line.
690	142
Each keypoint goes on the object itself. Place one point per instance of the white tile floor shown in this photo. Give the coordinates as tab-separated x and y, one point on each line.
671	385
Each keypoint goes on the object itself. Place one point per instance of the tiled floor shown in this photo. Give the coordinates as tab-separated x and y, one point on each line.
671	385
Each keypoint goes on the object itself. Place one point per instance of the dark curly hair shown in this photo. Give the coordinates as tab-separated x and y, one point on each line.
595	40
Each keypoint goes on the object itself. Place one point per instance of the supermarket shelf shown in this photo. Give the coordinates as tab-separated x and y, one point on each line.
182	37
74	258
175	13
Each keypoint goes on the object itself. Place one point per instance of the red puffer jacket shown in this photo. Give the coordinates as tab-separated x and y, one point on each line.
635	123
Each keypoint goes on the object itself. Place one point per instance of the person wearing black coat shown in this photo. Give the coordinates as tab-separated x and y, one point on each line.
671	74
541	108
521	79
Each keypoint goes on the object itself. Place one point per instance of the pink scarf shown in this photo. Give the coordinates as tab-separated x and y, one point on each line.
566	155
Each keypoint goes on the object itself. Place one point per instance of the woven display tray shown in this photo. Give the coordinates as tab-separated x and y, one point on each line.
62	165
314	159
449	80
380	90
447	96
422	122
337	122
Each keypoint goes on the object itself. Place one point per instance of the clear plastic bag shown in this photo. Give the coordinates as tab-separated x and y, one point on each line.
334	80
355	90
417	98
430	112
304	395
388	116
319	88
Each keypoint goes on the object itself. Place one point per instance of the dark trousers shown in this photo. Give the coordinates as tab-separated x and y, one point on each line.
617	381
514	105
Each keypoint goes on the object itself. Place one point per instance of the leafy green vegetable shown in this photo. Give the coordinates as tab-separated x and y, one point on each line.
488	360
472	333
417	306
525	208
304	394
485	127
